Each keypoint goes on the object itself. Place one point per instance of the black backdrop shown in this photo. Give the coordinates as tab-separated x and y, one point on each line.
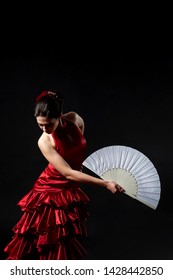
124	100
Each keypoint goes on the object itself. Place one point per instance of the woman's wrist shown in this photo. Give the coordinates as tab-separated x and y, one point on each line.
104	183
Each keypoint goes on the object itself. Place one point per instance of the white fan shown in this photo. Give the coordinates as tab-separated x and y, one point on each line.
130	169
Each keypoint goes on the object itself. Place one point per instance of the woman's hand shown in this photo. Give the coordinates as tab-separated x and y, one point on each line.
114	187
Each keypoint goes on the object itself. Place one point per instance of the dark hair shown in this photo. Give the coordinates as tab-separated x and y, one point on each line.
48	104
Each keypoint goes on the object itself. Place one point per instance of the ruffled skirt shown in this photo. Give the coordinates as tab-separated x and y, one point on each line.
51	224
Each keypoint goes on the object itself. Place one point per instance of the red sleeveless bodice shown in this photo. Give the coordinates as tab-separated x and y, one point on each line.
71	145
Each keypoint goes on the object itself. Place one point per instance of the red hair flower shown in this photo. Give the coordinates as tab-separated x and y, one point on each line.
42	94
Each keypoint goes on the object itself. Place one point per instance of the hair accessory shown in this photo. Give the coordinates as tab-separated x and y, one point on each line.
42	94
45	93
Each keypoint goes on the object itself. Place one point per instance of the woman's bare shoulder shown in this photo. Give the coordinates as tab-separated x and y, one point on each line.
70	116
75	118
45	139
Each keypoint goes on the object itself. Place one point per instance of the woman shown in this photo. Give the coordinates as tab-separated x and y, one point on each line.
55	208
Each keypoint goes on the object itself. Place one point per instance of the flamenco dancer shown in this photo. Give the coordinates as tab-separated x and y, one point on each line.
55	209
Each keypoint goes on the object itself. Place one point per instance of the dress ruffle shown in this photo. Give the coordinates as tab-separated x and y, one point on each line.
49	225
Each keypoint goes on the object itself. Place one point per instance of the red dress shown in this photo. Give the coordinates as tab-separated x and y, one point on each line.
55	208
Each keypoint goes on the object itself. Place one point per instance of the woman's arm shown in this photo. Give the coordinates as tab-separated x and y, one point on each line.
63	167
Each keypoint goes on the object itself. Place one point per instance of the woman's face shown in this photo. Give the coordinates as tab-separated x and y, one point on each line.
48	125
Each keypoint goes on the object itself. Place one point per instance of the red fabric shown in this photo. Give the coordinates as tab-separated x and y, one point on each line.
54	210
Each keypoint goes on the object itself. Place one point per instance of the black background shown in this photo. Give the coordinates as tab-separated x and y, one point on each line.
125	98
